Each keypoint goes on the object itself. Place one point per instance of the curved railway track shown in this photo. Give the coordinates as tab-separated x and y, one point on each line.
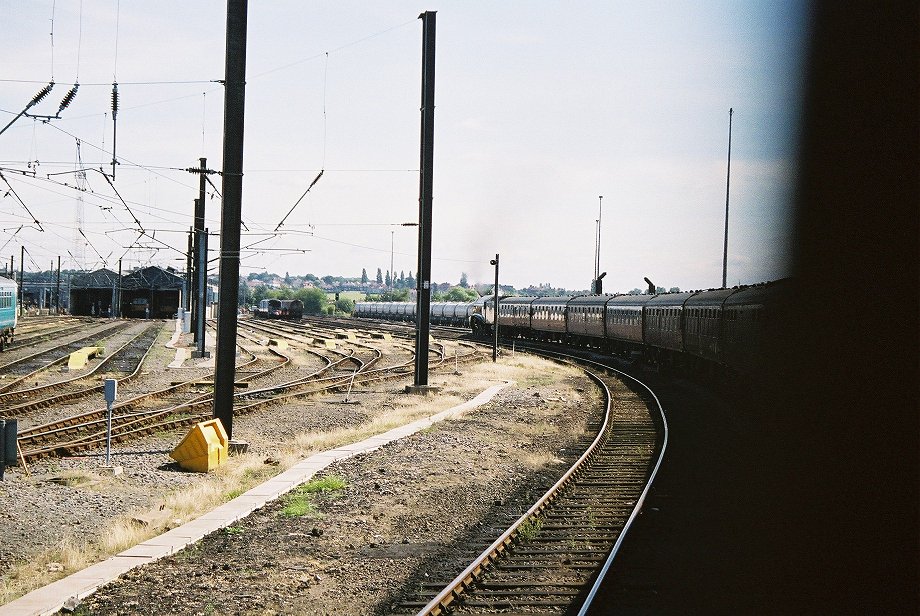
58	354
125	360
552	559
133	418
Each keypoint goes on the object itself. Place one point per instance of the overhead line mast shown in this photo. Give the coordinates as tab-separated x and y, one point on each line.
231	211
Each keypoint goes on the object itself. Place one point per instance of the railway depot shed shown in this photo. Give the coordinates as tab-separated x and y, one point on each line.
91	293
151	292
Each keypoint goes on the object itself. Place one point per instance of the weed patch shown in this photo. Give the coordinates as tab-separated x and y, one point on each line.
300	502
529	530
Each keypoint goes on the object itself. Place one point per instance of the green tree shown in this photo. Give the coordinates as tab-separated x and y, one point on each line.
379	276
671	290
396	295
388	281
459	294
245	297
345	305
363	276
314	300
463	280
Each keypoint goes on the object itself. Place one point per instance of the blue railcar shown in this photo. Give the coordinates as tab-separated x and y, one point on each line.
8	300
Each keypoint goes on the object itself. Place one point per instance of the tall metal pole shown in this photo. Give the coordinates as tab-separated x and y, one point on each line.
596	230
426	183
600	210
22	275
198	225
392	244
119	290
57	289
231	212
190	258
201	300
727	184
495	320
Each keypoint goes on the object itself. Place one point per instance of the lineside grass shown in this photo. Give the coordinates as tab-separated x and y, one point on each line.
301	501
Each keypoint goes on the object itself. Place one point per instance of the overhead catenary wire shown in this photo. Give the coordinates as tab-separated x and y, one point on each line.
53	6
21	202
90	244
140	227
312	184
103	201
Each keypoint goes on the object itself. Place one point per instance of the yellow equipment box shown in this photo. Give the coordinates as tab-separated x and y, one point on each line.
204	448
78	359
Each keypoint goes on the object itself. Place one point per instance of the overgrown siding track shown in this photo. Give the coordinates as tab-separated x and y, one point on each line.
548	560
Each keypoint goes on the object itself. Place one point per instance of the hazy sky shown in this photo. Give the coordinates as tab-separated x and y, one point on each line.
540	108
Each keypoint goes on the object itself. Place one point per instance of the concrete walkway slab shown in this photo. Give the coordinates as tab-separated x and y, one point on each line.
50	599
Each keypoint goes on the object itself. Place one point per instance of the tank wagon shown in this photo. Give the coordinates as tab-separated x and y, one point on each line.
724	327
442	313
8	301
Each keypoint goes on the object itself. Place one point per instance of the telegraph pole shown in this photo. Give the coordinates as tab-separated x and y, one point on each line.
727	184
231	212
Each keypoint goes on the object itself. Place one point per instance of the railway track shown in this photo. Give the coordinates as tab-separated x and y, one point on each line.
31	334
125	360
133	418
56	355
552	558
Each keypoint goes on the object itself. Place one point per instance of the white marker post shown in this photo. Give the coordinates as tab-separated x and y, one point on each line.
111	392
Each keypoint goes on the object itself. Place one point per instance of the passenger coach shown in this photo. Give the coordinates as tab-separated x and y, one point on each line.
700	329
8	299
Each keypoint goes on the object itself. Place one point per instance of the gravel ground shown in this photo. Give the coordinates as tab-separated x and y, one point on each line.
411	513
431	500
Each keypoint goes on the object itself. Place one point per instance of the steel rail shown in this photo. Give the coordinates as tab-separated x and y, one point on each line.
109	331
140	424
637	508
27	338
109	358
441	603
